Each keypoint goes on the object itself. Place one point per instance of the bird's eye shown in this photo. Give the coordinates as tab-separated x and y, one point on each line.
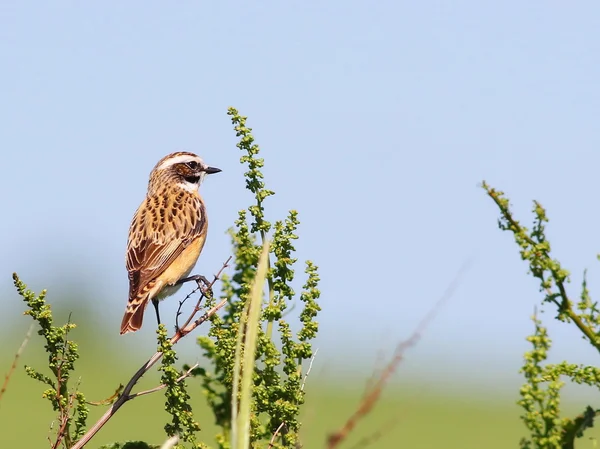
193	165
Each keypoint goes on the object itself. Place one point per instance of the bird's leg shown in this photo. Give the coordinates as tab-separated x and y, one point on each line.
199	280
155	304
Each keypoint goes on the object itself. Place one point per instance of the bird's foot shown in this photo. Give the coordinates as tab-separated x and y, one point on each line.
203	284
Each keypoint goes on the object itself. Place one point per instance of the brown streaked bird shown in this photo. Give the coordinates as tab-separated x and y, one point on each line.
166	235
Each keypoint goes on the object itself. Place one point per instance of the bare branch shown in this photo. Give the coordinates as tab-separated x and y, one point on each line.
202	296
183	301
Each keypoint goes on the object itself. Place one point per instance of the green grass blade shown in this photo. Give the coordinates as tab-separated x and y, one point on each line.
247	355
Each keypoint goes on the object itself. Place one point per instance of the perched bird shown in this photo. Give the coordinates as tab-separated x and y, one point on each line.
166	235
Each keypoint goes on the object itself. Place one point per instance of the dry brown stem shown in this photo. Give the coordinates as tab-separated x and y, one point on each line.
373	393
15	361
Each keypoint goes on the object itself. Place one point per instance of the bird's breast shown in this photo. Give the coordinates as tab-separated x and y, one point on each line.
180	267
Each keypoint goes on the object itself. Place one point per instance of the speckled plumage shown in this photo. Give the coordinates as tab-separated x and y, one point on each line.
166	235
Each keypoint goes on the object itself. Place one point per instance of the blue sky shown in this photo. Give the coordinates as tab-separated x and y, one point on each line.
377	121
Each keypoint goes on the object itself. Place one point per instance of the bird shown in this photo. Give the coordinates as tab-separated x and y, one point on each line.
167	234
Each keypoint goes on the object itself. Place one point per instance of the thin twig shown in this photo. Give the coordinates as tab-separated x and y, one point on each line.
203	295
15	360
183	301
374	393
108	400
161	386
312	359
126	396
272	442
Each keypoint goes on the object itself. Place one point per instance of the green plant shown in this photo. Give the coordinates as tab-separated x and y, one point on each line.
68	403
541	393
277	393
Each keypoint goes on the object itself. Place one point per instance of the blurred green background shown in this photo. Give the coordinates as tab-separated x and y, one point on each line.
412	413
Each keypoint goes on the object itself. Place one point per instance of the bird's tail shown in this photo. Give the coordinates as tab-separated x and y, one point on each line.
134	315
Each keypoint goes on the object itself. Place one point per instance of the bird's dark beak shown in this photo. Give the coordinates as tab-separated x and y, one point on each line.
211	170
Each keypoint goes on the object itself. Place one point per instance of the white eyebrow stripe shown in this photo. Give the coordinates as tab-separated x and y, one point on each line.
178	160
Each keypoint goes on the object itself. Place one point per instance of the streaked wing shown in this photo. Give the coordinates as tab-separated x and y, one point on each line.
163	226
